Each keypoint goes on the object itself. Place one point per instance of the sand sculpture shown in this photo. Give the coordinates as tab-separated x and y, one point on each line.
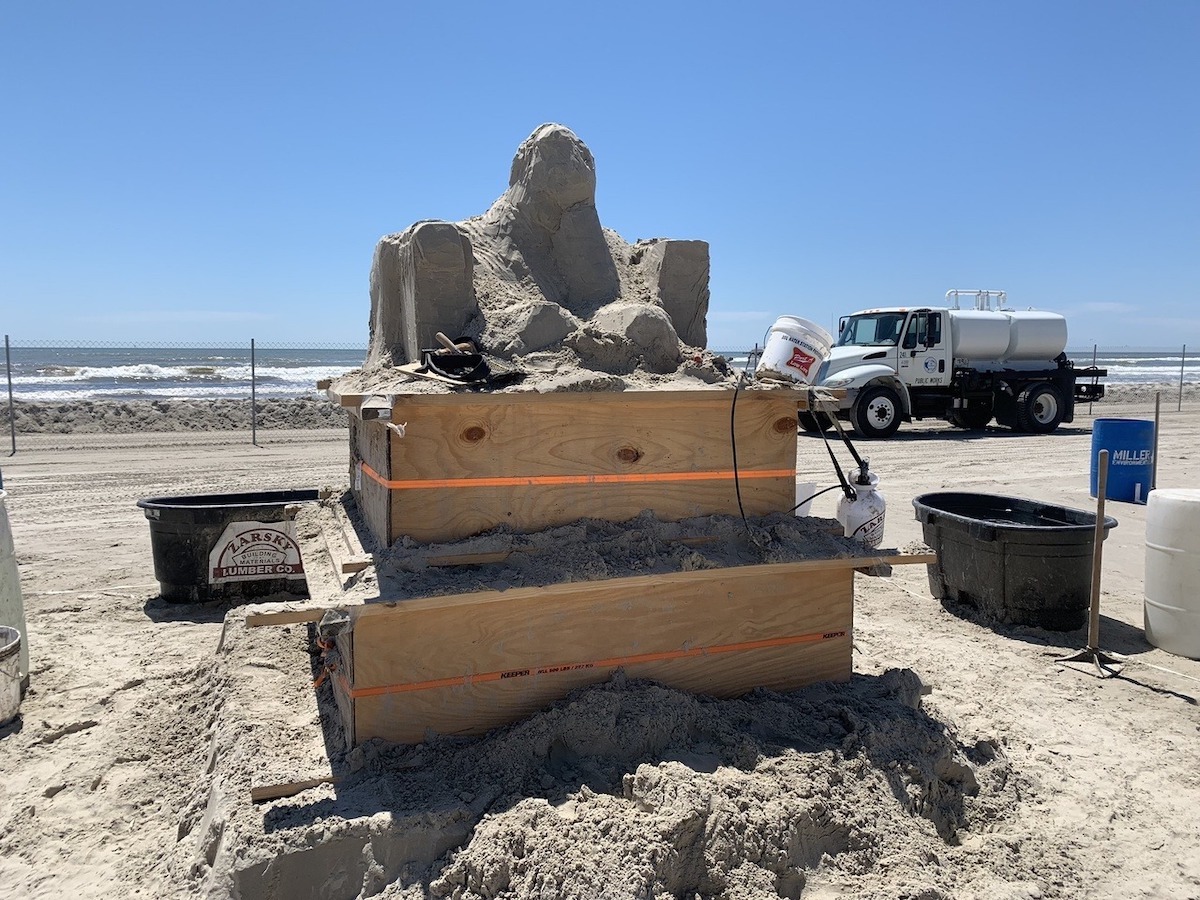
538	272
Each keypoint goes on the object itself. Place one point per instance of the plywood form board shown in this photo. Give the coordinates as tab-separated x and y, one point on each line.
369	444
467	464
471	662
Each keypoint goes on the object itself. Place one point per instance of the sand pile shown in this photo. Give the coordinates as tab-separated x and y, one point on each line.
132	416
626	789
593	549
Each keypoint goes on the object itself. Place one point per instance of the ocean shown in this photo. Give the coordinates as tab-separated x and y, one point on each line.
63	374
157	373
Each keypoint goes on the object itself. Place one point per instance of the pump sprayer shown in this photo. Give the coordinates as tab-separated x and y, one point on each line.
862	507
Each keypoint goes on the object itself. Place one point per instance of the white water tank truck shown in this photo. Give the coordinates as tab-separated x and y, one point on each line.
965	365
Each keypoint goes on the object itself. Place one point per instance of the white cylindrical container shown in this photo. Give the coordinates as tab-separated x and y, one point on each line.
979	333
10	674
794	350
1034	334
12	608
1172	606
804	494
862	518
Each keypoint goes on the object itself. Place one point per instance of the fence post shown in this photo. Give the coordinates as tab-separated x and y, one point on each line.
1093	378
253	398
12	410
1182	360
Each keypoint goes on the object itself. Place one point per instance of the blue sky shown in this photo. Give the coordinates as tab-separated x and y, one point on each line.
221	171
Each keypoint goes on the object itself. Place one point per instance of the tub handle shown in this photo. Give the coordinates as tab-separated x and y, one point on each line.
981	532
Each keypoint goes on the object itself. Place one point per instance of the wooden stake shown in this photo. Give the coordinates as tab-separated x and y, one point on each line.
1098	553
1154	451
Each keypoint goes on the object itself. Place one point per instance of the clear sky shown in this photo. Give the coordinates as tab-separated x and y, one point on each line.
222	170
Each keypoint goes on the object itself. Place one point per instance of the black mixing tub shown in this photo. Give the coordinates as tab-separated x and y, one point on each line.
226	546
1018	562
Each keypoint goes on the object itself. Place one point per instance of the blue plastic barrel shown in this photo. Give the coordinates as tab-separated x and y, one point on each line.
1130	446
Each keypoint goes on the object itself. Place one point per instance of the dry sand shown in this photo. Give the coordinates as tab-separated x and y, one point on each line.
1005	775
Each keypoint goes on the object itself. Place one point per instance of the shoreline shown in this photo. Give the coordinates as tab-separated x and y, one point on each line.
309	413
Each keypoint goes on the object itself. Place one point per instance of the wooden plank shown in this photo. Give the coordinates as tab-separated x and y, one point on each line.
341	541
350	535
286	616
473	663
434	515
345	704
261	792
292	616
475	709
370	444
531	466
469	559
632	584
587	434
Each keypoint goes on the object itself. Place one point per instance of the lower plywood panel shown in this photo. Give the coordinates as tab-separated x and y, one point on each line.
468	663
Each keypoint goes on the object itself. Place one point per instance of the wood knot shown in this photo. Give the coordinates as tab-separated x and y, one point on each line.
783	426
629	454
474	434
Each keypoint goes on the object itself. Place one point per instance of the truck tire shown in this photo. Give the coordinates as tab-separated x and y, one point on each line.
1039	409
973	418
815	422
876	413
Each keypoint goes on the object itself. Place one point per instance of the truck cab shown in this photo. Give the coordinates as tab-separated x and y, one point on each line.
879	353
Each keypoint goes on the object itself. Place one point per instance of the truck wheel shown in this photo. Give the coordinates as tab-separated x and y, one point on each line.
973	418
876	413
815	423
1039	409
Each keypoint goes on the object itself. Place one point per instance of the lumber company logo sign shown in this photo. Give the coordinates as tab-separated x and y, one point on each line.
249	551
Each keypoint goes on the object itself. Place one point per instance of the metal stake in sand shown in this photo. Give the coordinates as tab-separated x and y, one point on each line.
253	398
1154	450
1100	664
12	413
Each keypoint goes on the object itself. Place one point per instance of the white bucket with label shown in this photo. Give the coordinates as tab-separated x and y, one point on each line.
794	351
1172	607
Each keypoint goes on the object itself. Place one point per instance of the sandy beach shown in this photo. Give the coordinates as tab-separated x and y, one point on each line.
984	768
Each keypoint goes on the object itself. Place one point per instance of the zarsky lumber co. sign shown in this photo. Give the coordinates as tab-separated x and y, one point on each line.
248	551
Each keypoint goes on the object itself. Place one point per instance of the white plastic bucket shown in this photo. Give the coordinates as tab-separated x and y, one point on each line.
804	495
10	673
1172	605
794	351
12	608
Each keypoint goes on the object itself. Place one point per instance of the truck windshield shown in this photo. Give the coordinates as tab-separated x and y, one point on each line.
871	329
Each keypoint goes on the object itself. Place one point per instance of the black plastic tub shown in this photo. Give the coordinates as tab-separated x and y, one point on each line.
226	546
1018	562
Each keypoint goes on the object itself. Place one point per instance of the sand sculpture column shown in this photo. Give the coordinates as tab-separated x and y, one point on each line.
421	283
680	271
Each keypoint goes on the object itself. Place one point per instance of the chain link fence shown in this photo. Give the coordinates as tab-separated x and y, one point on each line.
256	391
253	390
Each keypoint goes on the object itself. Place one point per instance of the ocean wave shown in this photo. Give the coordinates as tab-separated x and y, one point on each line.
166	392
